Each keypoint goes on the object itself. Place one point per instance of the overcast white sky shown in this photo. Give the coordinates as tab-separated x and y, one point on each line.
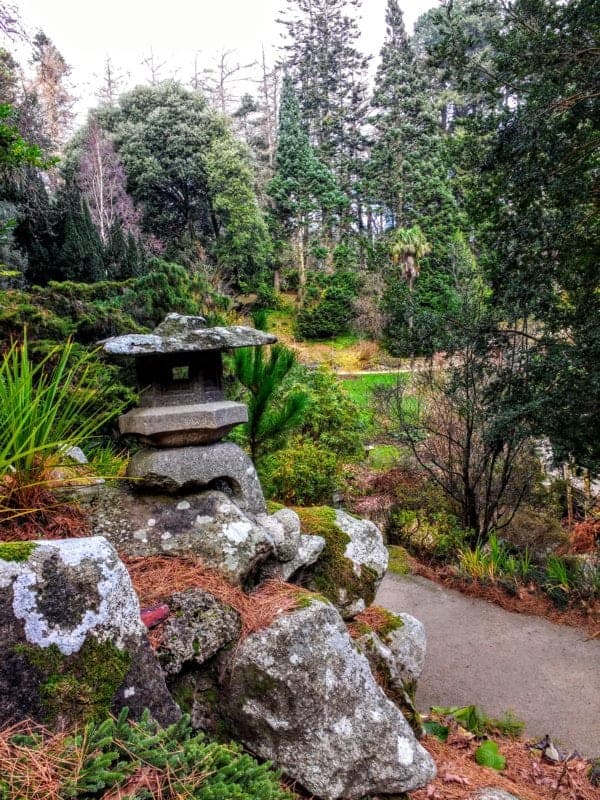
177	30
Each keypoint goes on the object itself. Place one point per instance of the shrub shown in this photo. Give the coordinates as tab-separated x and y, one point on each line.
333	312
301	474
332	418
44	409
127	759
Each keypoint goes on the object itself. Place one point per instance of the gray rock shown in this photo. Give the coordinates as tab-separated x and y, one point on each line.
181	334
309	550
69	615
399	655
366	546
76	454
197	691
284	527
408	645
353	562
300	694
188	468
206	525
183	425
198	626
492	794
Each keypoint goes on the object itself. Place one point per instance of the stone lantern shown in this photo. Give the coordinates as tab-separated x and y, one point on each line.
183	411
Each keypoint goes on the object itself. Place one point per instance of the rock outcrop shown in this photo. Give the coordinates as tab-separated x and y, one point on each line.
209	526
299	693
398	653
72	645
198	627
353	562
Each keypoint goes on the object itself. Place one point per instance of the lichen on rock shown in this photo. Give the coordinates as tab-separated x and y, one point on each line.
300	693
72	645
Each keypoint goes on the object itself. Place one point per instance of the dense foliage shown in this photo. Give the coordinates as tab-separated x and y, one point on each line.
118	757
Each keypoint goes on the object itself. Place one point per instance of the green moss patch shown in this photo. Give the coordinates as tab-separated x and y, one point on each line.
79	687
398	563
16	551
333	571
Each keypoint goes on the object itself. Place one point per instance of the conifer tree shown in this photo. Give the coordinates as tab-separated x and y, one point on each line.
303	186
329	74
408	170
115	253
81	253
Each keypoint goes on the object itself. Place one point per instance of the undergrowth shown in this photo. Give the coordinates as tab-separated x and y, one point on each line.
117	759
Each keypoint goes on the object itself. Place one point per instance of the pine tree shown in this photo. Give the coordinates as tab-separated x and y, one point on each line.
50	84
329	74
81	256
409	176
135	259
115	253
409	185
303	186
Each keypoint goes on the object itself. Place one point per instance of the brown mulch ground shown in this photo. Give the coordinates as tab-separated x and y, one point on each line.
527	600
527	775
156	578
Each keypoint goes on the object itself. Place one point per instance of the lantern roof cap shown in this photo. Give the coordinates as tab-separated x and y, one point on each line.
185	334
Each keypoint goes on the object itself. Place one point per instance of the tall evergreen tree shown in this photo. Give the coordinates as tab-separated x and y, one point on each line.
409	184
329	74
81	256
303	186
408	170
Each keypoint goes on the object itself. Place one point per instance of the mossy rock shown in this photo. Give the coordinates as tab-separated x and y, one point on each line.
348	583
16	551
79	687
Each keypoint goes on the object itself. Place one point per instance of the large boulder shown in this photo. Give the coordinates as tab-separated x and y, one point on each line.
299	693
353	562
72	645
209	526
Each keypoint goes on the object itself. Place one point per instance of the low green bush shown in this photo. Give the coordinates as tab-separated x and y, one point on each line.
303	473
331	311
332	418
133	760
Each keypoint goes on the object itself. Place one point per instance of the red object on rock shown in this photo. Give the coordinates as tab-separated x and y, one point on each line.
152	616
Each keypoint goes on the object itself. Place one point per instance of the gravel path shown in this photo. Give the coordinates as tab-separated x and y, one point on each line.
549	675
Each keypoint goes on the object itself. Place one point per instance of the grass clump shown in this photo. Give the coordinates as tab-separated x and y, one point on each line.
333	571
118	758
45	409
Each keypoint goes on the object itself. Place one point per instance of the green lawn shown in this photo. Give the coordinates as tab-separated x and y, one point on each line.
360	388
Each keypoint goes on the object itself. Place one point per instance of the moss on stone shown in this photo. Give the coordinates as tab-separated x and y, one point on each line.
389	623
333	571
305	599
398	562
16	551
273	507
81	686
